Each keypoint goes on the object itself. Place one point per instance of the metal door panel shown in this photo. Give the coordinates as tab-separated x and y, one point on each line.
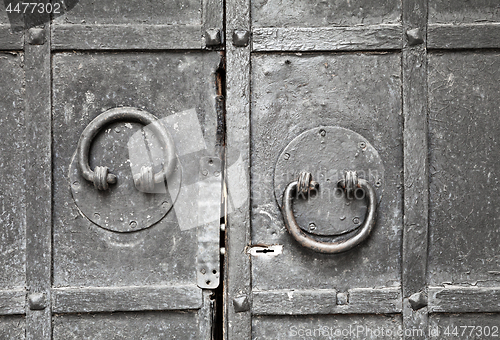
463	11
12	197
129	326
464	170
361	92
464	326
12	165
97	270
12	327
125	25
84	86
292	13
184	12
327	327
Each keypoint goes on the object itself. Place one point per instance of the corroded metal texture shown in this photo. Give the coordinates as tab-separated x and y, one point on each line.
326	152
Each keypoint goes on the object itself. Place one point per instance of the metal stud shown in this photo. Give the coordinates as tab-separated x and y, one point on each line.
415	36
37	301
36	36
241	304
213	37
418	300
241	38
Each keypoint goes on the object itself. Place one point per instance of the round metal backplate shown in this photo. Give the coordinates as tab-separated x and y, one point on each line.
124	148
326	152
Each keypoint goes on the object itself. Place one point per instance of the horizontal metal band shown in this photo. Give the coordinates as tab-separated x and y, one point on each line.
464	300
126	37
12	301
485	35
324	301
10	40
123	299
375	37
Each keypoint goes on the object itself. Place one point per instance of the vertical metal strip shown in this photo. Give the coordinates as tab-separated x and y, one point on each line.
208	226
416	189
237	316
38	181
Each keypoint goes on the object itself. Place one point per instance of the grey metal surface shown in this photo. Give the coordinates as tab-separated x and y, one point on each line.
127	326
149	269
209	208
415	150
182	12
12	327
326	326
327	152
12	165
38	177
463	11
451	326
317	13
319	90
464	168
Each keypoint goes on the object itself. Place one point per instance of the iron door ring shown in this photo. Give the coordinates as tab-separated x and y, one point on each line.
146	179
303	186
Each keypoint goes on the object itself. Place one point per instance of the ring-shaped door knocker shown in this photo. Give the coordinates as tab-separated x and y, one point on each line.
146	179
303	187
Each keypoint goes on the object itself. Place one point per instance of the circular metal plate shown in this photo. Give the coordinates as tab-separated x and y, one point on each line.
326	152
124	148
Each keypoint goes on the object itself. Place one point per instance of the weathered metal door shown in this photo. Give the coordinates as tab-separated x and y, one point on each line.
118	253
328	86
353	146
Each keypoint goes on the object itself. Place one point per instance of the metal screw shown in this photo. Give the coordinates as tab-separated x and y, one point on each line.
133	224
378	183
117	130
287	156
205	172
322	133
203	271
362	145
355	220
312	226
216	173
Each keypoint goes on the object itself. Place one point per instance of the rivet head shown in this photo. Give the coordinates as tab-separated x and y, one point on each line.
241	304
241	38
37	301
36	36
342	299
418	300
213	37
415	36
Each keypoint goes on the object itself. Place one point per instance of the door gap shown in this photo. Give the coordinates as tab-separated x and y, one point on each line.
218	293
